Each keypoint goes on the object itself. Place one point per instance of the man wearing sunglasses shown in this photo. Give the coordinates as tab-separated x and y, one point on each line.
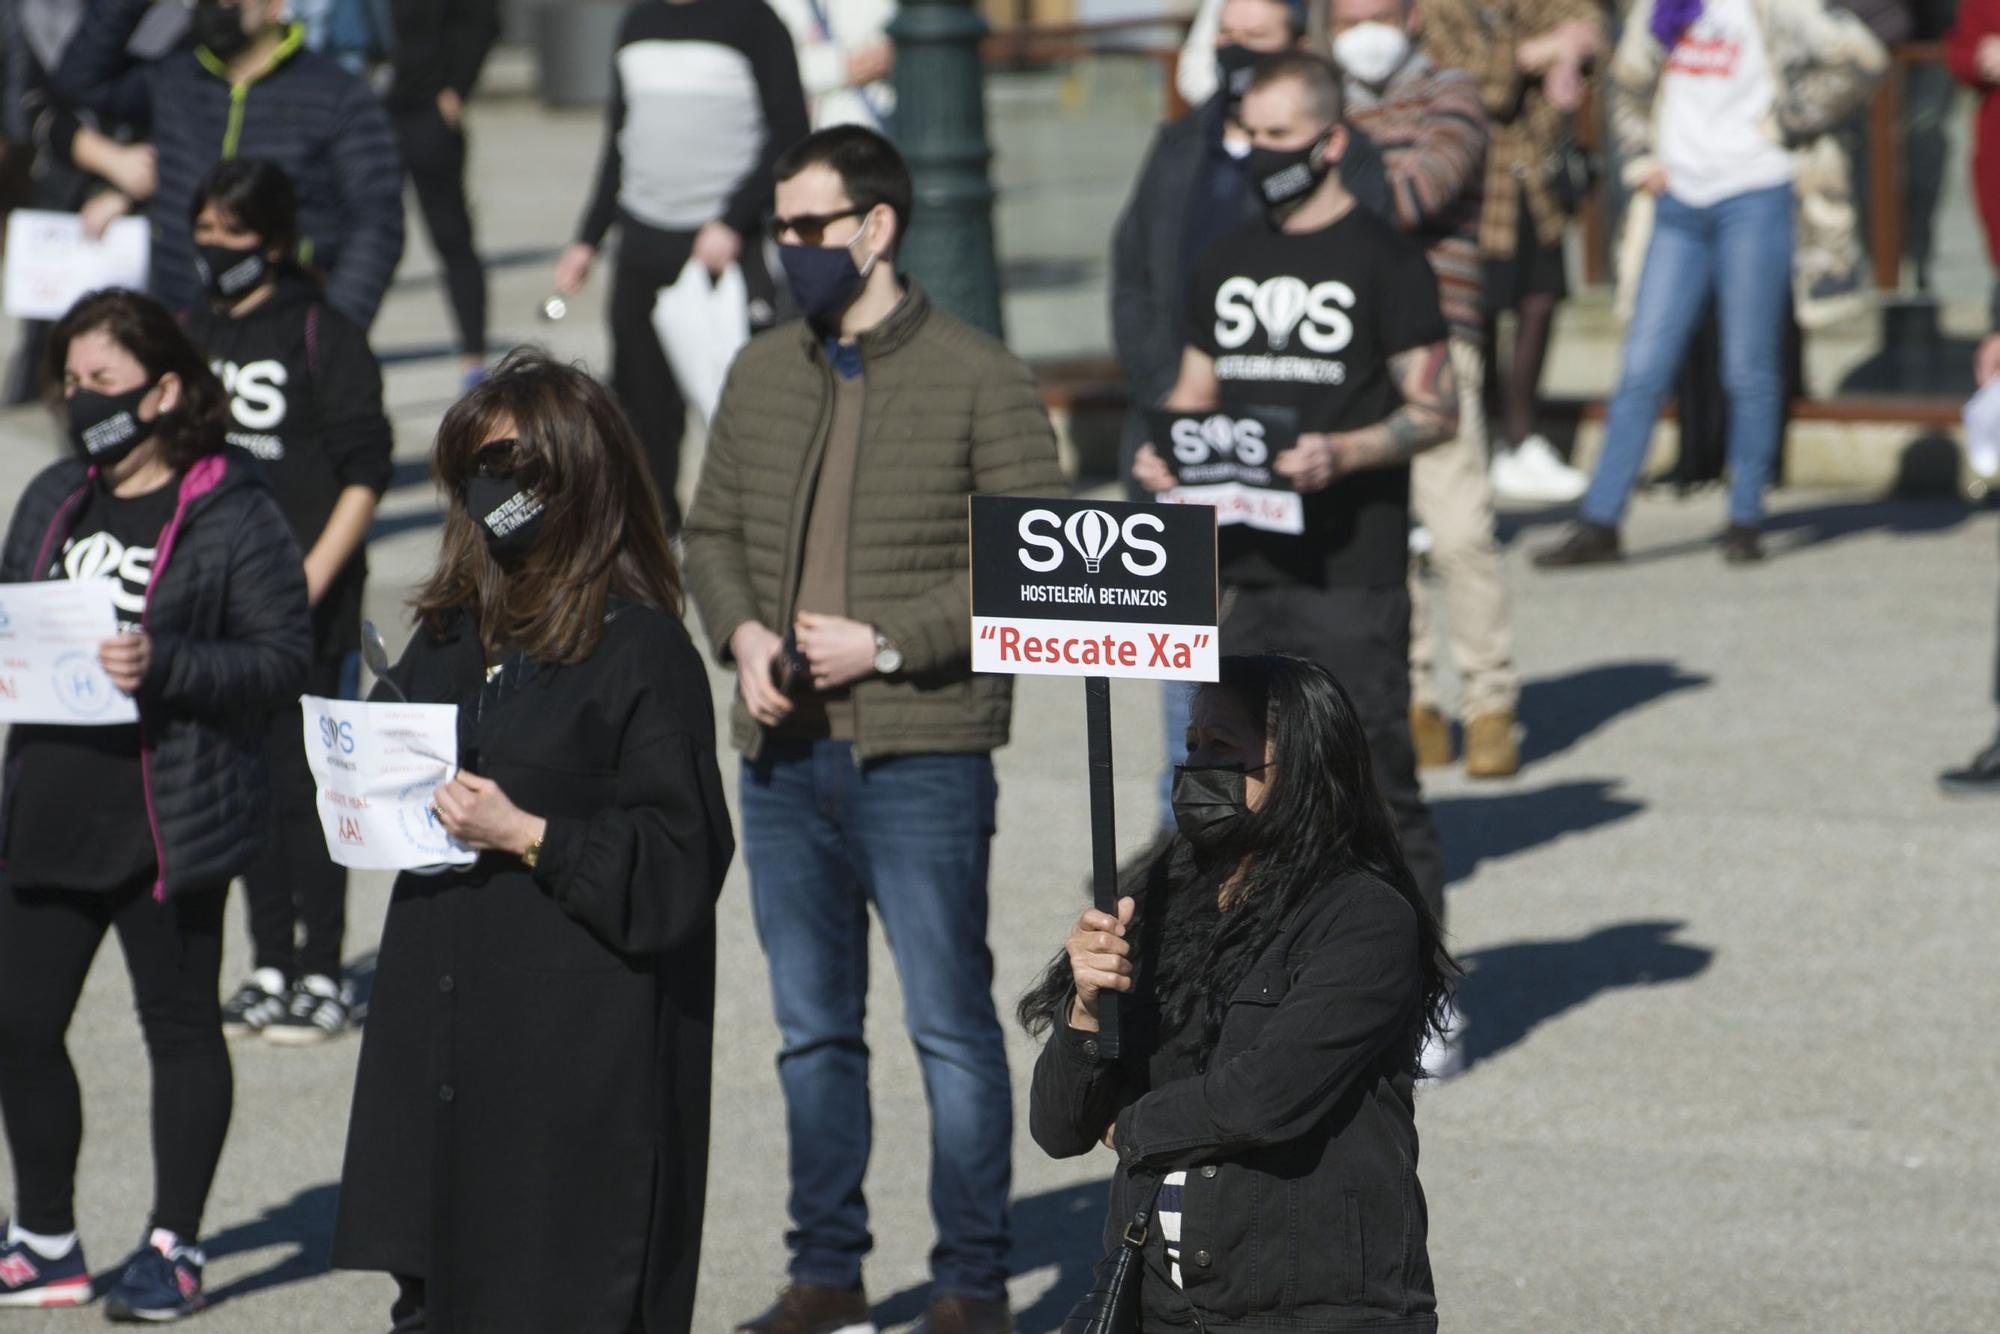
827	553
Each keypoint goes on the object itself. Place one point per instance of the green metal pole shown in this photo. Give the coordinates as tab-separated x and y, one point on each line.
941	128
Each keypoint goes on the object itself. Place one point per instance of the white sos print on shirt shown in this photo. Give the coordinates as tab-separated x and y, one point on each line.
1284	306
257	392
102	556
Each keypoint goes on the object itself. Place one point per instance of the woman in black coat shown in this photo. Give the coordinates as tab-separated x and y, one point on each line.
137	828
1280	970
529	1143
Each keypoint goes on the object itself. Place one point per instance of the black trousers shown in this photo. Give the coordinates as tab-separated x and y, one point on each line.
1362	636
434	156
295	895
648	260
173	950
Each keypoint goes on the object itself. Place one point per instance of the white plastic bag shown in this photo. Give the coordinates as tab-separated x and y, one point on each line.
702	322
1982	431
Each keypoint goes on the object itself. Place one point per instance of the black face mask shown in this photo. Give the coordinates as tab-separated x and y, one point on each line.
1285	176
229	273
1235	65
509	518
105	428
219	28
1209	805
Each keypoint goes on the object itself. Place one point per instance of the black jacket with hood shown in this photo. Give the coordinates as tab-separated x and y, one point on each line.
306	114
226	611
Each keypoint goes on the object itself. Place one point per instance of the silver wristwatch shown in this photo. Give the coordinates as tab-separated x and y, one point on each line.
888	658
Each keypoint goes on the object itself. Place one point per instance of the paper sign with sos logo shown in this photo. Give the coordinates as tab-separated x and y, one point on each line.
1226	460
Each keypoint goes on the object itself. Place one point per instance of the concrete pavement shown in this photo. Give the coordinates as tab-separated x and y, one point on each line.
1730	951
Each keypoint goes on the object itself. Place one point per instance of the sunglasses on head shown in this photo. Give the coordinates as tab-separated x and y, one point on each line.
810	228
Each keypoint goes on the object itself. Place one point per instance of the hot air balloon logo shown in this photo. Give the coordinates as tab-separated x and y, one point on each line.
1093	533
1280	304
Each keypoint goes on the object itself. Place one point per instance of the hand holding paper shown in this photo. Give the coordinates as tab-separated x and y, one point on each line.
477	813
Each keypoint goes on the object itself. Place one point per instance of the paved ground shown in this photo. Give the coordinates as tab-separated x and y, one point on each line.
1731	955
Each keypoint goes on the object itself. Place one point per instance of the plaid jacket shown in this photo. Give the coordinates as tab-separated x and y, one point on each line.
1482	37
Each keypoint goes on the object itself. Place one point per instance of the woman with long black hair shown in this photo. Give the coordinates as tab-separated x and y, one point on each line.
305	398
529	1145
1281	971
137	829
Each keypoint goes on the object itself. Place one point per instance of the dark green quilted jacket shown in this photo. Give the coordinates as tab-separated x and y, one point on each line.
949	412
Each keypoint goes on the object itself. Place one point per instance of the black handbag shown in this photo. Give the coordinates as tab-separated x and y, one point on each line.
1112	1304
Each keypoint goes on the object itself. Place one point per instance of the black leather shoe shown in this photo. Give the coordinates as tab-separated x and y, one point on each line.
1980	778
1741	544
1585	544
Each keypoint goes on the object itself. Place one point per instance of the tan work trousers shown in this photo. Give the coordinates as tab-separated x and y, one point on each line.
1452	498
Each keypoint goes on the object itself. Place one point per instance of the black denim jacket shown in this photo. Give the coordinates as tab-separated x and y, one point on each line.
1302	1209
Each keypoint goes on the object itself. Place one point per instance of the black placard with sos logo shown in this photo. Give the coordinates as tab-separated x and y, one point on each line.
1225	459
1082	588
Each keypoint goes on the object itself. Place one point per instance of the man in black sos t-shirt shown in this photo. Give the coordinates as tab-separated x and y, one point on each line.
1325	310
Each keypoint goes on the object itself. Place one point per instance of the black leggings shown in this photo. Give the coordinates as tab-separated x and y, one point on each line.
293	884
173	950
434	155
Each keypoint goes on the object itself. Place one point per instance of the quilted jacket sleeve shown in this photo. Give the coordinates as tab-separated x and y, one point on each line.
1013	453
261	659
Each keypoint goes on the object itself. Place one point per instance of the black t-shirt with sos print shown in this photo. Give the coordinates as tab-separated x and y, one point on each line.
1308	322
80	822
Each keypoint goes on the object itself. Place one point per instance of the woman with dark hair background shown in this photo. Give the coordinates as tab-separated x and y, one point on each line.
529	1145
305	397
138	829
1281	971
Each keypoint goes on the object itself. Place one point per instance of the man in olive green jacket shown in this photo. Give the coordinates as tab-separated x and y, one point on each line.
827	554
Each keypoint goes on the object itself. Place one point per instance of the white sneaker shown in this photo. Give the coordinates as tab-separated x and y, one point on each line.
1444	1050
1533	472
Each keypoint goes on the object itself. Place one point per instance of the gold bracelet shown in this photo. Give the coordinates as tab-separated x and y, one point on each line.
533	854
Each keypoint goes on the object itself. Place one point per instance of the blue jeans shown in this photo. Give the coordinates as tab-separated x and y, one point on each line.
824	837
1740	249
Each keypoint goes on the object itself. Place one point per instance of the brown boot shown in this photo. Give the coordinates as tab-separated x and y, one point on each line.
1430	732
805	1308
965	1315
1490	751
1584	544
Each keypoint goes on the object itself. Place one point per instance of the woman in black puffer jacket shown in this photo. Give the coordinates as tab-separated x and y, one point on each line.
138	828
1279	970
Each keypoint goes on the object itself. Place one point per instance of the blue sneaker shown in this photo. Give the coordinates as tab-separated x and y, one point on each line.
161	1282
27	1278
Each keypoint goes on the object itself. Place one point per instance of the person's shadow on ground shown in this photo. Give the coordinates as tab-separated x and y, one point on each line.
1482	828
1061	1228
1559	711
304	1223
1511	989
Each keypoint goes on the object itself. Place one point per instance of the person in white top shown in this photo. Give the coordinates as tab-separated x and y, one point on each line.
845	59
1709	98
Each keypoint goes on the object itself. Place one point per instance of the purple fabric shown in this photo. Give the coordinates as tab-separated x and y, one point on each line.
1671	18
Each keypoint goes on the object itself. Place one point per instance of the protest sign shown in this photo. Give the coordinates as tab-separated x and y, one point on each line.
1099	588
375	766
51	263
49	636
1226	459
1095	589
